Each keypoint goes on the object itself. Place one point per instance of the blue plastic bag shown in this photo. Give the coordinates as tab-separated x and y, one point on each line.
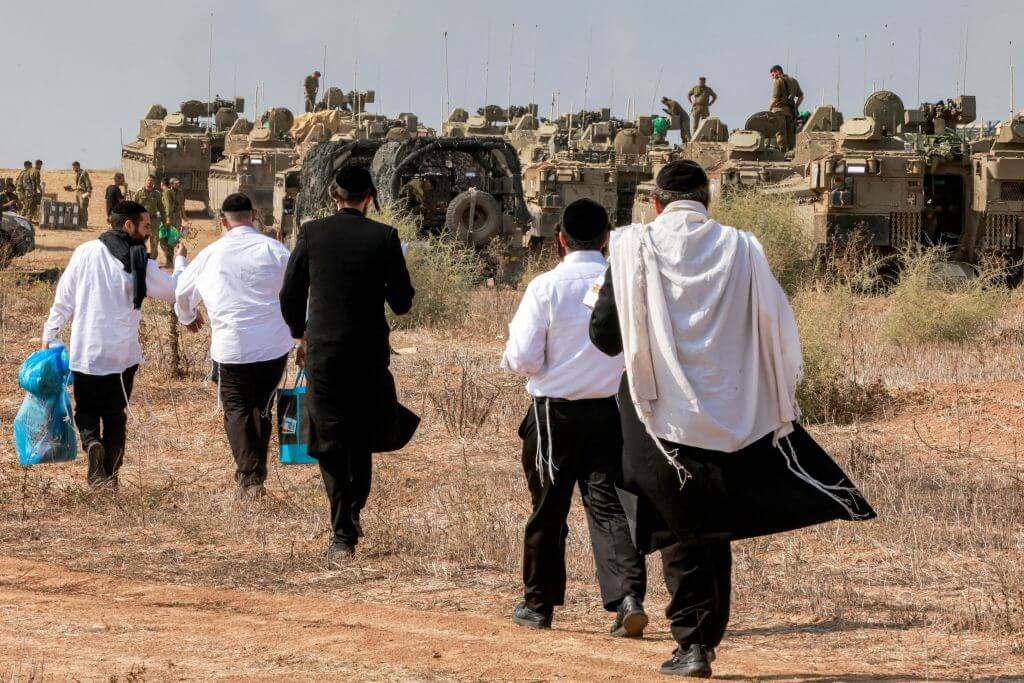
43	429
293	424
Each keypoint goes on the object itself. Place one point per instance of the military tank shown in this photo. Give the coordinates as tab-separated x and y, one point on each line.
253	155
892	182
182	144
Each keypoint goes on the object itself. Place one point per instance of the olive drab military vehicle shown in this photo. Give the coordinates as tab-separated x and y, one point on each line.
338	126
818	136
253	155
181	145
606	161
477	193
893	183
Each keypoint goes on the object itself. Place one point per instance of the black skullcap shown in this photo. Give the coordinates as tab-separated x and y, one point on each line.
682	175
236	203
355	180
584	220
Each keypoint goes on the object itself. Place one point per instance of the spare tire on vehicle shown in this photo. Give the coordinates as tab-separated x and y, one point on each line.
474	217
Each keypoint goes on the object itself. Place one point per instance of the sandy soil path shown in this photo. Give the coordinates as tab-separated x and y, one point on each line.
71	624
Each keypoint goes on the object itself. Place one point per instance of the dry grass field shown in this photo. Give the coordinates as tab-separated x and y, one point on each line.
169	578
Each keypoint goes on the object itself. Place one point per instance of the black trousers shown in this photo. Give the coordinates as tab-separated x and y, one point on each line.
699	581
347	477
100	402
245	391
586	451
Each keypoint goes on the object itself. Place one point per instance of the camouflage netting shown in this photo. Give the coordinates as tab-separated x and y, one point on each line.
319	167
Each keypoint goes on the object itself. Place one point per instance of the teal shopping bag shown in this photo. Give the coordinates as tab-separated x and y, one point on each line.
293	423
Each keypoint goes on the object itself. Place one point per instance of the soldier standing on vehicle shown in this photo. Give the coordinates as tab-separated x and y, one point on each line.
22	185
311	86
82	187
786	99
701	98
149	196
414	197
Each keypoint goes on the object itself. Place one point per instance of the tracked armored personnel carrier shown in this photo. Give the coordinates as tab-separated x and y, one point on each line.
253	155
180	145
894	185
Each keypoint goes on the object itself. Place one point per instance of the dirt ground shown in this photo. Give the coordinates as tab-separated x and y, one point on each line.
170	579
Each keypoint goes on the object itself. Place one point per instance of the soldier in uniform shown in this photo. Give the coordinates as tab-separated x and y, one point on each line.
311	85
22	185
36	196
82	187
149	196
414	196
786	99
701	98
9	202
173	207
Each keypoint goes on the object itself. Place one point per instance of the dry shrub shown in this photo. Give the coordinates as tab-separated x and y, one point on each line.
775	222
926	307
831	390
443	272
465	403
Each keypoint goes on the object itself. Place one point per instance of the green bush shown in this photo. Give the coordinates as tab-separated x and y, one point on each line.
776	223
926	306
443	272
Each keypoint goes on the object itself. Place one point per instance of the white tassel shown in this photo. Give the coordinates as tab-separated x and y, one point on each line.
127	403
542	457
793	463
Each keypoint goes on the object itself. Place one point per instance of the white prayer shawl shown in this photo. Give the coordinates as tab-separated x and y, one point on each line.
711	346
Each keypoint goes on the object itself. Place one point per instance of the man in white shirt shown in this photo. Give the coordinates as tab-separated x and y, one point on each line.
239	279
571	434
102	289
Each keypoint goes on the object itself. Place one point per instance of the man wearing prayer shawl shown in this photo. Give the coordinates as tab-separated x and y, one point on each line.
712	450
343	270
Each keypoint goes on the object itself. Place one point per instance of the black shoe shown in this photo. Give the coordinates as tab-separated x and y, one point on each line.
524	616
95	453
693	661
337	553
630	619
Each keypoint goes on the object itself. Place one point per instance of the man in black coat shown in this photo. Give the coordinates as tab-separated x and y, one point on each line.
689	496
344	268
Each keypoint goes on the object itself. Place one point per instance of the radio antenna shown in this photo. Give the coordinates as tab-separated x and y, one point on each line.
838	67
586	79
657	87
209	76
323	69
487	65
355	63
447	81
533	84
866	93
1012	107
511	54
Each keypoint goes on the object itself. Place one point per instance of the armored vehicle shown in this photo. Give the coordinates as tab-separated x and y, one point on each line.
252	158
180	145
340	127
606	163
892	183
491	120
477	193
301	192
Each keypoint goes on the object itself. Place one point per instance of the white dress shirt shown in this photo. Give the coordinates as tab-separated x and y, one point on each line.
549	337
239	279
97	293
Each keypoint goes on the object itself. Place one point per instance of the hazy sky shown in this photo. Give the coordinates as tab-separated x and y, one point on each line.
79	75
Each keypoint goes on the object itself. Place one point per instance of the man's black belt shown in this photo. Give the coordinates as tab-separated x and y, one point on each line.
580	401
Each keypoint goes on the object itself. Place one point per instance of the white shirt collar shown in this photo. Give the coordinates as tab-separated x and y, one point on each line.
241	230
586	256
687	205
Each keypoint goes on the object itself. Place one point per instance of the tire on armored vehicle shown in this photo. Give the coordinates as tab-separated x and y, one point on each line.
474	217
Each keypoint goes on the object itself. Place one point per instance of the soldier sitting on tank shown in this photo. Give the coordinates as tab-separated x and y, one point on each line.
415	198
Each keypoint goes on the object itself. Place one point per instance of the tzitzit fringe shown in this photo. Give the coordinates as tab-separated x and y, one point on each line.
542	457
832	491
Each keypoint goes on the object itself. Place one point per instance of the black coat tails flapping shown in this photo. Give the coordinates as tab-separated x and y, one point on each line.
343	271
